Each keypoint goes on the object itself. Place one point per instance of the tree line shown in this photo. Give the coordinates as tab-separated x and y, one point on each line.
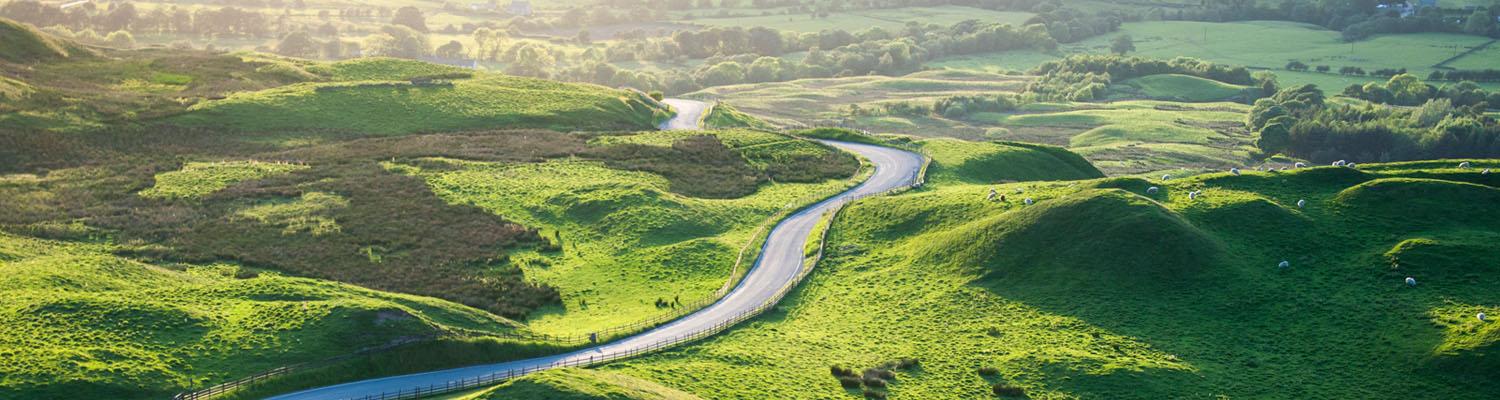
1299	122
1087	77
1356	19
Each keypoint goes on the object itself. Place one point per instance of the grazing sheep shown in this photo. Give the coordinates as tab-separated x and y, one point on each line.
1152	190
1284	264
992	195
1481	316
1193	195
1299	165
1339	163
1410	281
1301	202
1235	171
1028	201
1485	172
1350	165
1166	177
1464	165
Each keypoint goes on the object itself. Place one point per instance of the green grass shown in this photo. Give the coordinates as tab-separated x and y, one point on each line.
79	321
627	240
957	160
1100	290
381	68
487	102
26	45
891	19
1263	44
1177	87
724	116
580	384
195	180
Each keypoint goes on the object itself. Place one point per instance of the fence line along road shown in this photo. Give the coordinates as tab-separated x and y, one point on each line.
777	271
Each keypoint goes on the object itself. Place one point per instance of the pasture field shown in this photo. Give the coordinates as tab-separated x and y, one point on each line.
1063	299
626	239
890	19
1177	87
579	384
1263	44
80	321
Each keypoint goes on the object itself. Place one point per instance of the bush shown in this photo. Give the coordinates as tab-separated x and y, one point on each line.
849	382
841	371
1004	390
657	95
989	371
874	382
874	394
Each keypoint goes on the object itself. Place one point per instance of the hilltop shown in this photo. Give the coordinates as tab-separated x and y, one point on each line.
1103	288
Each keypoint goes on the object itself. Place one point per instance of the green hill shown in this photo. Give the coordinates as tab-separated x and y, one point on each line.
395	107
1177	87
957	160
79	321
1101	289
26	45
580	384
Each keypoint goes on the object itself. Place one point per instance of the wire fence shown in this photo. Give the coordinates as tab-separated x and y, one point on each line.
599	336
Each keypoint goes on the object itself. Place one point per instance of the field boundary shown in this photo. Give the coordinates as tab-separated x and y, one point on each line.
1444	64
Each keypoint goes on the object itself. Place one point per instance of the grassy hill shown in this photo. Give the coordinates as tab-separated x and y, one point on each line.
1177	87
26	45
79	321
580	384
1103	290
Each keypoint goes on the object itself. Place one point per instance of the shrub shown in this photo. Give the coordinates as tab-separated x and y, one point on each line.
849	382
989	371
840	371
657	95
874	382
879	373
1004	390
874	394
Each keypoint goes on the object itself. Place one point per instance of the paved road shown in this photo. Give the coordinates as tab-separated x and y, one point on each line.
780	262
689	112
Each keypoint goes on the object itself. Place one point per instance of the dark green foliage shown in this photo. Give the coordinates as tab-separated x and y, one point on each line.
1296	122
1004	390
839	134
1086	77
961	106
697	166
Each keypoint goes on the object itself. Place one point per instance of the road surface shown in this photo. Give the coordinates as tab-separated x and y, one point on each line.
780	262
689	112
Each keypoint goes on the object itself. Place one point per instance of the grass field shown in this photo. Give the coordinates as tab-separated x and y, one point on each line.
1062	299
890	19
485	102
1263	44
580	384
81	321
627	240
1175	87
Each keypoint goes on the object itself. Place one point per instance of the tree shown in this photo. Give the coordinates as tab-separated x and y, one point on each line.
1122	44
532	59
120	39
397	41
1275	136
297	44
410	17
724	73
1480	23
453	49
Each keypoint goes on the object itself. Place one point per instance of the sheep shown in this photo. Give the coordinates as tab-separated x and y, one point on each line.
1028	201
1284	264
1481	317
1235	171
1152	190
1464	165
1301	202
1350	165
1486	171
1299	165
1166	177
1338	163
992	195
1410	281
1193	195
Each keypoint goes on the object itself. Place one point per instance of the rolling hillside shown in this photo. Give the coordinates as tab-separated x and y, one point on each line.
1103	289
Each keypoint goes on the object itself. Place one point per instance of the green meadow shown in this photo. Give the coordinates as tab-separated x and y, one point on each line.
1066	298
890	19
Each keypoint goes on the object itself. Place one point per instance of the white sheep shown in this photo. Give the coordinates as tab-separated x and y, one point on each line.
1338	163
1028	201
1166	177
1152	190
1410	281
1299	165
1301	202
1235	171
1193	195
1464	165
1350	165
1486	171
1481	316
1284	264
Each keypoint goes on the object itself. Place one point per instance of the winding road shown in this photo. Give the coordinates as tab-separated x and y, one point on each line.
689	112
780	262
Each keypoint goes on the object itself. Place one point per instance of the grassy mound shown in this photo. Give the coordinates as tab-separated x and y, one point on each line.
398	107
79	321
724	116
977	162
26	45
198	179
382	68
1100	290
1092	240
1177	87
581	384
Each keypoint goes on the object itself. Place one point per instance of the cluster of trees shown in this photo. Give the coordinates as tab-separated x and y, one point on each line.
1299	123
1484	75
1408	90
961	106
1087	77
1357	19
124	16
